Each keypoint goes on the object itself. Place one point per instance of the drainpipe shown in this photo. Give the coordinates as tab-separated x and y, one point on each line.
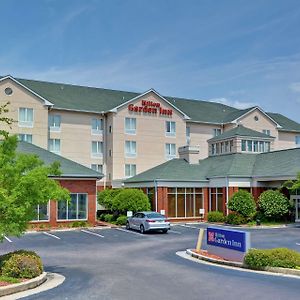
227	194
156	200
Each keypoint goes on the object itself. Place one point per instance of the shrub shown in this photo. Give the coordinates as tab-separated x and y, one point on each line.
243	203
215	216
278	257
79	224
130	200
273	204
108	218
106	197
235	219
21	264
121	220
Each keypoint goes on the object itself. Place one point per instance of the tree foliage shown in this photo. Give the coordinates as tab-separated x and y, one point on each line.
293	185
273	204
243	203
105	198
24	183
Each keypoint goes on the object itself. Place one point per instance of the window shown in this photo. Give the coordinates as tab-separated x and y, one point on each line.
110	129
184	202
249	146
97	149
130	170
213	149
297	140
25	138
266	131
170	151
226	147
130	149
54	145
255	146
25	117
97	168
188	135
130	125
216	200
243	145
42	212
97	126
170	128
54	122
216	131
76	209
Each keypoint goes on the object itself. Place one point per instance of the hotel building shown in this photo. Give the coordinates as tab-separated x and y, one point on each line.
124	135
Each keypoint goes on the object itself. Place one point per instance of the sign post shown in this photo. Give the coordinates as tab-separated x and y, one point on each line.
200	238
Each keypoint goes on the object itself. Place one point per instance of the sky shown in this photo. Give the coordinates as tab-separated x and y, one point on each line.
238	52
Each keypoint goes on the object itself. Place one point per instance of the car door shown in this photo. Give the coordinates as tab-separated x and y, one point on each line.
134	221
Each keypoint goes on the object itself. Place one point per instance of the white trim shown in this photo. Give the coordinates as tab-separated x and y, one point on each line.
250	111
46	102
31	124
145	93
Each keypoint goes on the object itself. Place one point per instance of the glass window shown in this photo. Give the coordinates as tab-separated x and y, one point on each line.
54	122
266	131
42	212
255	146
97	126
25	137
249	146
261	146
216	199
188	135
25	117
130	125
213	149
231	146
97	168
130	170
130	149
243	145
97	149
267	147
217	131
170	128
297	140
217	148
227	147
54	145
170	151
76	209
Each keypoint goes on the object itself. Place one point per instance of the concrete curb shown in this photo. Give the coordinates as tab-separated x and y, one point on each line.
237	265
23	286
67	229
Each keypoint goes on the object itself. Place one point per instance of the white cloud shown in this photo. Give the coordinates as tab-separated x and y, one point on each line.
234	103
295	87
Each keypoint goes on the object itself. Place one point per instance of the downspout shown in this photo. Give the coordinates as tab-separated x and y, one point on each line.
227	194
156	200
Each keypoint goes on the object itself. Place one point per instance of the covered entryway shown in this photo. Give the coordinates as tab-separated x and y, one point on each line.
296	199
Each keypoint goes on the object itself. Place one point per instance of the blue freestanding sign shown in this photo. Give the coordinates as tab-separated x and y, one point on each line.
228	243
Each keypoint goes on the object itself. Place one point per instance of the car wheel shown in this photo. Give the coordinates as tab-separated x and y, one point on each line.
165	230
142	229
127	226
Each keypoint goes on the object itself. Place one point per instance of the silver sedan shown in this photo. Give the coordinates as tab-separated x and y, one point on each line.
148	220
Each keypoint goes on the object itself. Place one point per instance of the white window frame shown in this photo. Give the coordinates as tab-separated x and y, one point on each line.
55	127
132	126
217	131
98	147
25	137
67	209
267	131
170	129
132	170
97	167
169	149
54	141
297	140
26	123
38	214
99	126
131	153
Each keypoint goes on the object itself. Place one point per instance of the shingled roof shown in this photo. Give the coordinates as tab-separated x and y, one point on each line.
99	100
68	167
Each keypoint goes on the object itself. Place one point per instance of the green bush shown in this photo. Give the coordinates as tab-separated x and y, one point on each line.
235	219
215	216
79	224
273	204
130	200
243	203
121	220
108	218
106	197
278	257
21	264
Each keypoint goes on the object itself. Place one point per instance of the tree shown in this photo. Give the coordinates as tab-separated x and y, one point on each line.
273	204
24	183
293	185
243	203
105	198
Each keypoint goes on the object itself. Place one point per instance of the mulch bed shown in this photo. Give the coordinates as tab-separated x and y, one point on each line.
207	254
4	283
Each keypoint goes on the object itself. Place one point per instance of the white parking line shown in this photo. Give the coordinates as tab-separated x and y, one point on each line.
9	240
129	231
188	226
51	235
92	233
173	231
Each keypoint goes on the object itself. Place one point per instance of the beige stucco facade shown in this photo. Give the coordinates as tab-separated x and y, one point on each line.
76	136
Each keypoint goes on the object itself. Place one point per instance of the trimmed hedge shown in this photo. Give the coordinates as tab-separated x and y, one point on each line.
121	220
258	259
215	216
21	264
243	203
235	219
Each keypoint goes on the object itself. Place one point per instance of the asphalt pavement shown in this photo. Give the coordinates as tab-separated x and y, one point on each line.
116	264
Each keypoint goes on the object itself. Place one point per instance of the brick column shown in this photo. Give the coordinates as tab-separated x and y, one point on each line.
53	213
205	201
162	199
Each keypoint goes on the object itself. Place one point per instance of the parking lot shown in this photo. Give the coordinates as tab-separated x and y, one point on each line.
119	264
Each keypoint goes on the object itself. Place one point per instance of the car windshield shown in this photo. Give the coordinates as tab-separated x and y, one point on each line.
155	216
